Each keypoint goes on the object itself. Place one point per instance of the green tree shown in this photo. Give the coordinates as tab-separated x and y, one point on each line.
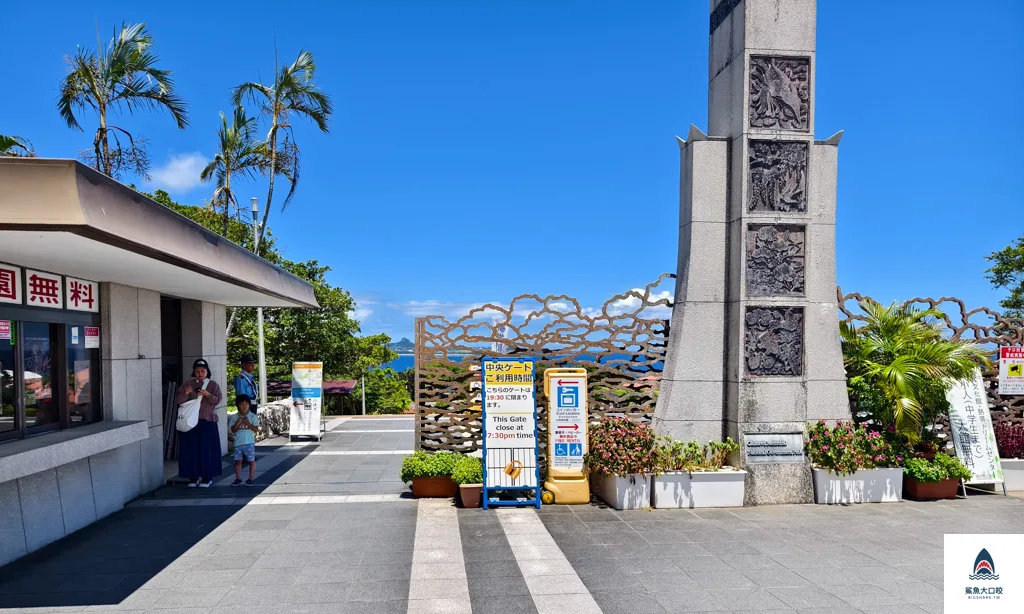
123	76
899	366
239	153
15	147
1007	273
292	94
328	333
386	392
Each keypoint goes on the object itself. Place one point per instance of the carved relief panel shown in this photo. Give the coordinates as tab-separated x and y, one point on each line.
775	260
777	176
780	93
773	341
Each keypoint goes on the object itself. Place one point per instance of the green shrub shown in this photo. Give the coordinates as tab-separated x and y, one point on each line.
941	468
425	465
691	456
846	447
619	446
468	470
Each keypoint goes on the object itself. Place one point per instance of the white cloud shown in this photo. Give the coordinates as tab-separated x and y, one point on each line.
181	173
632	305
451	310
361	313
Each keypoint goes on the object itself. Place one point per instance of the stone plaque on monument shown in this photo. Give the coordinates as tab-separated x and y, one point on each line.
773	447
754	351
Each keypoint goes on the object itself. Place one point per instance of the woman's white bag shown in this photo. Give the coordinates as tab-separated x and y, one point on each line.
188	412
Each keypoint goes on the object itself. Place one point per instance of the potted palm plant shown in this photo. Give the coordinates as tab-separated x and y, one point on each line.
938	478
899	367
430	474
469	475
691	475
850	464
620	459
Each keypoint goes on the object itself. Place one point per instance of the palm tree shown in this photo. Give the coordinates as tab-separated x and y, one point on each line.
899	363
15	147
123	76
293	94
239	154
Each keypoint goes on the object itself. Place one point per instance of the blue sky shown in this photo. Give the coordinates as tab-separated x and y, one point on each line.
542	131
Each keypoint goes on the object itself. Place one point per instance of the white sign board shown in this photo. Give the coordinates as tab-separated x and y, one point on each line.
973	437
510	424
307	399
44	290
1011	370
92	337
82	295
568	423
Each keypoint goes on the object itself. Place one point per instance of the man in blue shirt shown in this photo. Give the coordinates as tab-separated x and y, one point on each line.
245	383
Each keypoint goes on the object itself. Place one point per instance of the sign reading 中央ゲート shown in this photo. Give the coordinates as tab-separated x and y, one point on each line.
82	295
1011	370
973	437
509	425
10	284
92	337
307	398
773	447
44	289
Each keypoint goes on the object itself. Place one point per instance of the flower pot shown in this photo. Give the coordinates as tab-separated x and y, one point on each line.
676	489
632	492
471	494
1013	473
862	486
425	488
926	491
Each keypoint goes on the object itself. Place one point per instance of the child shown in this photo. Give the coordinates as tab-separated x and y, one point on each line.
244	425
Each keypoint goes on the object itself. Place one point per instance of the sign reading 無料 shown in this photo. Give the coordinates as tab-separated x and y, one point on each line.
773	447
1011	370
973	437
307	399
509	426
44	289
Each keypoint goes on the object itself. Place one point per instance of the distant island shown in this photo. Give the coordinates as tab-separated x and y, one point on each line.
404	346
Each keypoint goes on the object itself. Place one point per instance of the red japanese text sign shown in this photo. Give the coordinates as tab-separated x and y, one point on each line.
44	289
82	295
10	284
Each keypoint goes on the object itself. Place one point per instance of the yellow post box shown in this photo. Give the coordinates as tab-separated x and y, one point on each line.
566	390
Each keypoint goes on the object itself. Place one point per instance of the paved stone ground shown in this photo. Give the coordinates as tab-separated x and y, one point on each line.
330	529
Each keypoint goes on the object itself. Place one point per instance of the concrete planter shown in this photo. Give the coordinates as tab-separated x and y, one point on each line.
632	492
677	489
863	486
1013	473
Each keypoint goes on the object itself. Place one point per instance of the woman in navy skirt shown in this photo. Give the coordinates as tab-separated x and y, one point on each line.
199	453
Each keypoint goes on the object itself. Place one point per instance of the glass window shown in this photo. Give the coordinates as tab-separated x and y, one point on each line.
7	388
83	378
40	359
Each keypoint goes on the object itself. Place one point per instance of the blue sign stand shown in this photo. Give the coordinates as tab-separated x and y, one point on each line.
489	498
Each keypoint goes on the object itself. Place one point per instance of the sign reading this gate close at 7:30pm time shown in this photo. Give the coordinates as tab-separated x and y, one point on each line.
509	404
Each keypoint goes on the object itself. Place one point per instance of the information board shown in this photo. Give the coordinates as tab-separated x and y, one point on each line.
509	430
973	437
1011	370
307	399
773	447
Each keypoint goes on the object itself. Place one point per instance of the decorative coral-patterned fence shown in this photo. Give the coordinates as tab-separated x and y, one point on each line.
981	325
622	345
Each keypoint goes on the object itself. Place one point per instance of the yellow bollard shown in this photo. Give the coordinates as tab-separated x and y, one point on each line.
566	390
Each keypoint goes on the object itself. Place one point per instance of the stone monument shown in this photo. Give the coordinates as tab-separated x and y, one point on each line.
754	351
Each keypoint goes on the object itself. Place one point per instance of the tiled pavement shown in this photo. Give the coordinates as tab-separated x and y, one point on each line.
309	540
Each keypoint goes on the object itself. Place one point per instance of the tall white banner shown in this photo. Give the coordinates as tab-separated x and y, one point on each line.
973	437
